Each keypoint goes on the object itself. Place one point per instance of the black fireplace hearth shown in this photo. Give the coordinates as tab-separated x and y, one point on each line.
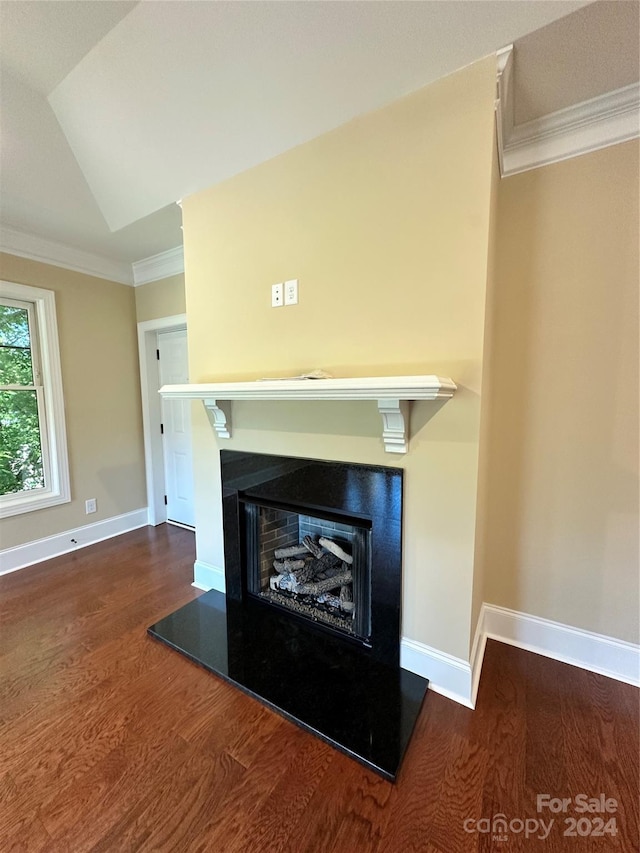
310	624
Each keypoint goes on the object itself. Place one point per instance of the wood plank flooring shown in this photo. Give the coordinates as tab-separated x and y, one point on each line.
110	741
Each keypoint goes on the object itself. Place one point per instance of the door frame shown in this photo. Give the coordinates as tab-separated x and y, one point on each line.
152	411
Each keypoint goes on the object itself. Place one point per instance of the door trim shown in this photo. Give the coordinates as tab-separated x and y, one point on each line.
152	411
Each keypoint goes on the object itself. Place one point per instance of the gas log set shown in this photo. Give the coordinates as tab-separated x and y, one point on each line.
315	578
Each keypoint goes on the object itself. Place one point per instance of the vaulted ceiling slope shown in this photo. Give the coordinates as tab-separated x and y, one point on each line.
180	96
111	111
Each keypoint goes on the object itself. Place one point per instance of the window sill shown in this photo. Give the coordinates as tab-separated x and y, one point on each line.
11	505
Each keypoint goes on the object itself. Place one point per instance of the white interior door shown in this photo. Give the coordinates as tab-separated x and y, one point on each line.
178	460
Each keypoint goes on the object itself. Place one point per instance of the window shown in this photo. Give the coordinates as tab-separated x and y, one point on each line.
33	454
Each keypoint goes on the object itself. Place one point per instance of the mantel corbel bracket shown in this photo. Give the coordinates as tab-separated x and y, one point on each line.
394	413
395	416
393	395
218	418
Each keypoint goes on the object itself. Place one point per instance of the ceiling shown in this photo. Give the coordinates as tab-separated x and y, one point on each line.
111	111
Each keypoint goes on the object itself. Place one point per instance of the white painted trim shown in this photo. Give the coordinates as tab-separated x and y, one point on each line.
219	419
579	129
146	270
392	394
504	100
206	576
158	266
49	252
394	425
448	675
585	649
152	410
458	679
355	388
21	556
52	428
477	655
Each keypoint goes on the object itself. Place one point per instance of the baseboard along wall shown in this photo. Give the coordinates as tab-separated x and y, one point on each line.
206	576
453	677
21	556
458	679
594	652
448	675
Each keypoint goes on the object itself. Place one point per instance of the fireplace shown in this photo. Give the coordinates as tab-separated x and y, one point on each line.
330	511
310	623
316	568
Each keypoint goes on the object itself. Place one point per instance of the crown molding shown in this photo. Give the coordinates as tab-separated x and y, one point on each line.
504	100
597	123
34	248
49	252
158	266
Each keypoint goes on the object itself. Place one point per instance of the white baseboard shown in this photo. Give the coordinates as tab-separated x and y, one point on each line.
448	675
585	649
206	576
477	655
21	556
458	679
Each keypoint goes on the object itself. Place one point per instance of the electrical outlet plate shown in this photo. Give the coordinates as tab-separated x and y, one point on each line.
276	295
291	292
90	506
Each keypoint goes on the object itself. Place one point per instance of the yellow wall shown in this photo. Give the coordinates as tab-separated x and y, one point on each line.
562	499
163	298
385	222
98	351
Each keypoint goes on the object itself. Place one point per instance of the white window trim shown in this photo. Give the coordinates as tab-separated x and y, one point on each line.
54	438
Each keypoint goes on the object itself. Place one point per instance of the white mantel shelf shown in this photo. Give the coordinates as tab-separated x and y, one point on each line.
392	394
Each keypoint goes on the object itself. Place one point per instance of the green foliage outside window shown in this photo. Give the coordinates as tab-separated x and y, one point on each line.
21	466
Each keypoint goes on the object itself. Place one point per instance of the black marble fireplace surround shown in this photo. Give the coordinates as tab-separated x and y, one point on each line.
346	688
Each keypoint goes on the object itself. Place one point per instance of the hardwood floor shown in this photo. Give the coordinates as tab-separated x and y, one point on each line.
110	741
